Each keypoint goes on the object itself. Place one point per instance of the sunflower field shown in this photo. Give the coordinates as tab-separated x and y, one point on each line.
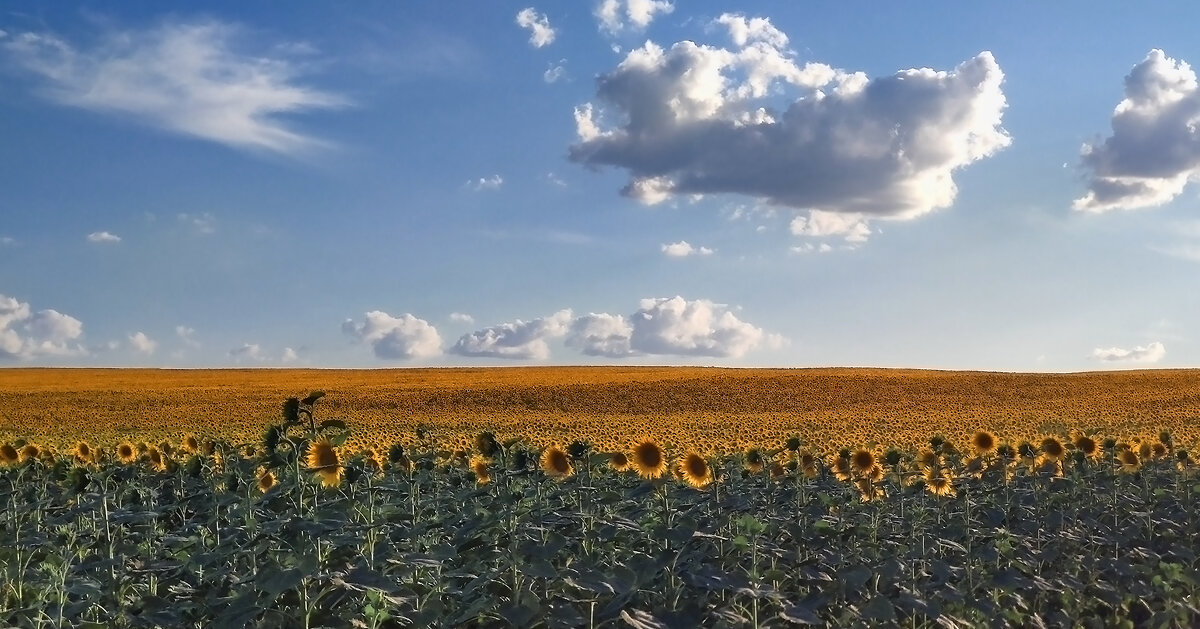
301	527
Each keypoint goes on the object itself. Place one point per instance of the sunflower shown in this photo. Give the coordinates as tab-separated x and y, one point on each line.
30	452
479	465
649	459
868	490
861	461
1145	450
126	453
1158	450
372	460
1087	445
754	460
266	479
83	452
190	444
983	442
928	459
324	460
555	462
618	461
155	458
9	455
841	468
696	471
1130	461
940	483
777	472
1053	448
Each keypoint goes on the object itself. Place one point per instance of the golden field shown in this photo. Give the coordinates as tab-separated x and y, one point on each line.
708	409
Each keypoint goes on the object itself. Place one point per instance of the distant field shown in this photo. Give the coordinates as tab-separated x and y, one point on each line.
711	409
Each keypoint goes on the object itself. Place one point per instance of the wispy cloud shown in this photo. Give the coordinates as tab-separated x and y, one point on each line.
683	249
193	79
1151	353
540	32
486	183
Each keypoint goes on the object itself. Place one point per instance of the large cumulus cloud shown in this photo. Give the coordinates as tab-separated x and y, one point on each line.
1154	149
396	338
699	119
25	334
668	326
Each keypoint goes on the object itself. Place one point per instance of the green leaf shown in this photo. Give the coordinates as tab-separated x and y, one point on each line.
639	619
312	398
878	609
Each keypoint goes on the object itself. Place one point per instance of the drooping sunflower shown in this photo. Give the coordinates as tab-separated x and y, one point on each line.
323	459
1130	461
940	483
1145	450
155	458
556	462
126	453
1158	450
1052	448
842	469
9	455
861	461
777	471
190	444
984	442
483	473
1087	445
266	479
928	459
649	459
618	461
754	460
696	471
29	452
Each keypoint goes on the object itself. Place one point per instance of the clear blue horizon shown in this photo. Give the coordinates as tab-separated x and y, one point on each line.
618	182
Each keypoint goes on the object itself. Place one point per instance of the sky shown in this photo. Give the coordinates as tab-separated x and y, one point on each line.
612	182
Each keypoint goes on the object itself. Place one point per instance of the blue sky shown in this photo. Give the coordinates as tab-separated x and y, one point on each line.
943	185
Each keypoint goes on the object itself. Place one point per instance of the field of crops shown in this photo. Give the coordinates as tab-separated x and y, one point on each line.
598	498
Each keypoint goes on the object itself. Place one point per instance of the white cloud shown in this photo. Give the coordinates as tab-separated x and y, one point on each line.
683	248
204	223
142	343
540	31
187	335
186	78
808	247
289	355
25	334
744	31
1154	149
487	183
555	72
669	326
852	227
248	351
461	317
1151	353
615	15
519	339
696	119
103	237
403	337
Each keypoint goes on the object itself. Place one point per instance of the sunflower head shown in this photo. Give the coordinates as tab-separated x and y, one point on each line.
83	452
1158	450
266	480
486	444
1129	460
1145	450
776	471
1006	451
842	469
893	457
9	454
984	442
649	459
695	471
618	461
579	449
126	453
483	473
1086	445
792	443
754	460
940	483
156	460
190	444
30	452
861	461
323	459
556	462
927	458
807	459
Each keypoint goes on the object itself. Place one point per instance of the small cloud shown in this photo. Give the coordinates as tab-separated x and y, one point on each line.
248	351
540	32
1151	353
289	355
103	237
7	241
204	223
683	249
142	344
555	179
487	183
669	326
462	317
187	335
396	338
555	72
852	227
617	15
